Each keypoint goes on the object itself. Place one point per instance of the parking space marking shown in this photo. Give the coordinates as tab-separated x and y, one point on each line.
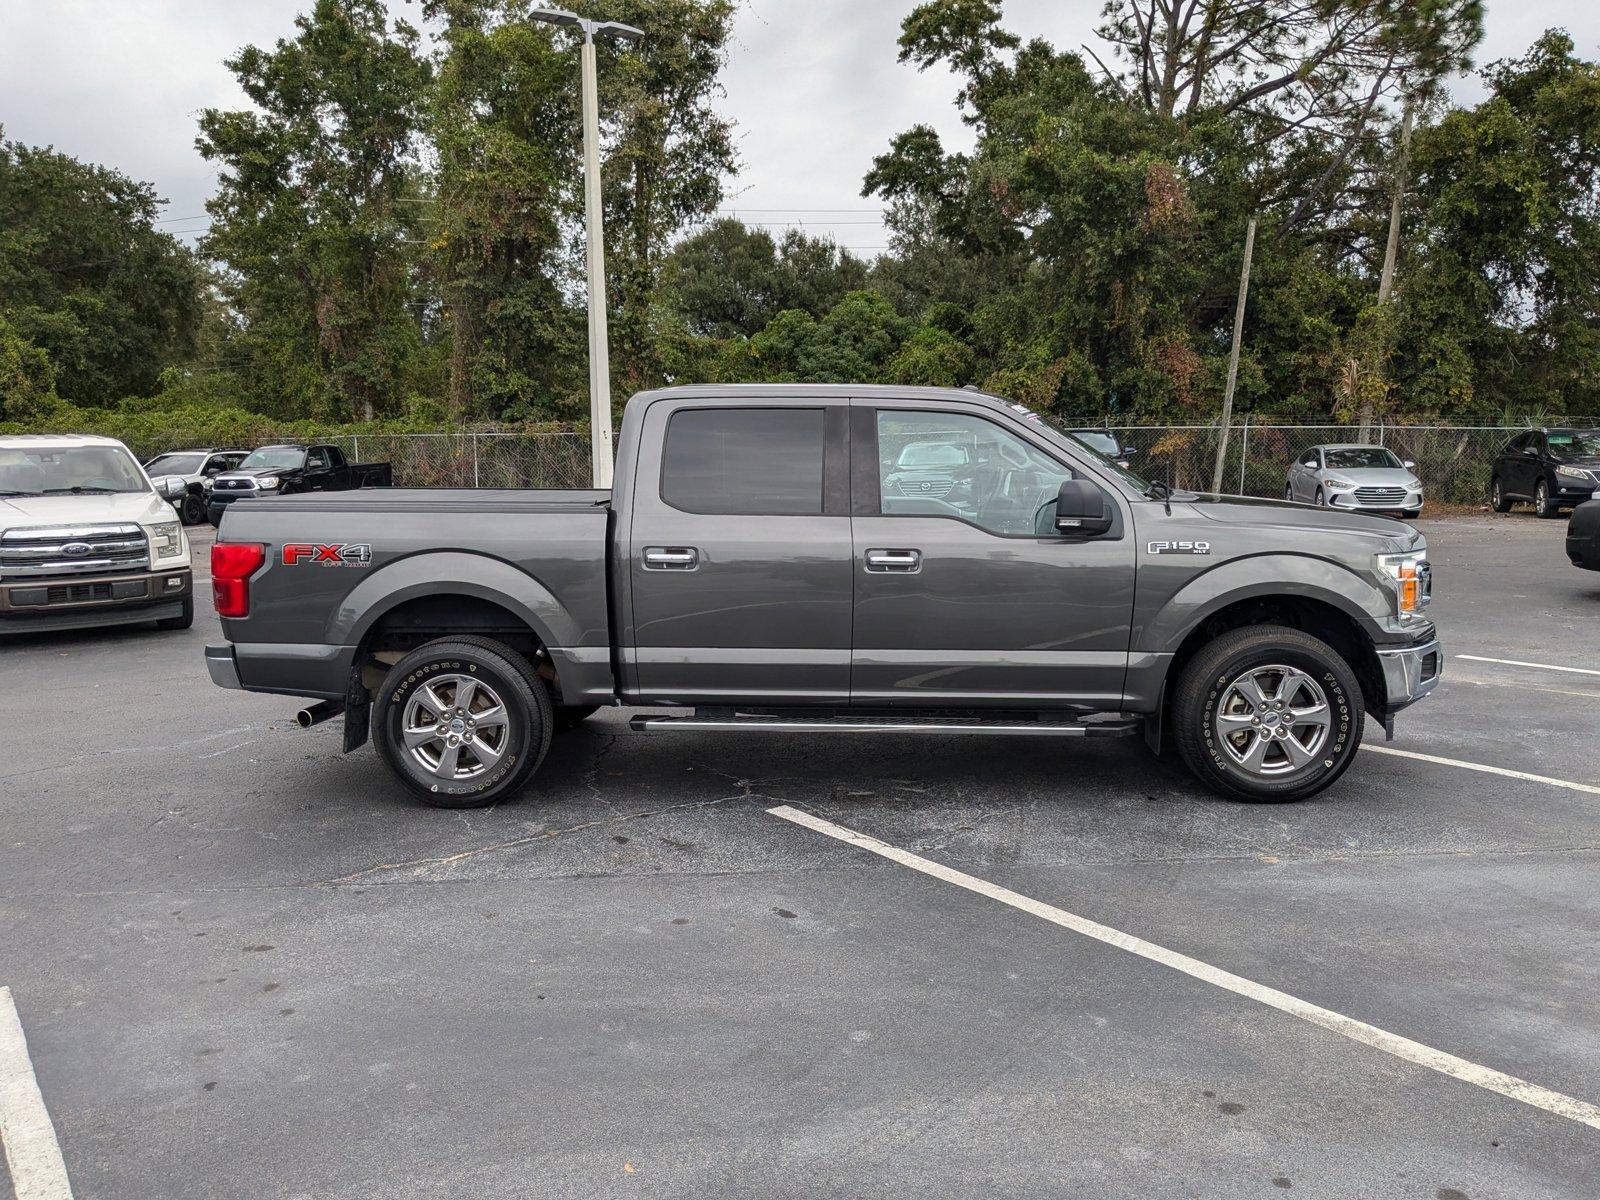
1512	662
1359	1031
29	1139
1486	769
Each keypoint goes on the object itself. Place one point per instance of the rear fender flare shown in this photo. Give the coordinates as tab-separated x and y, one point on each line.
451	573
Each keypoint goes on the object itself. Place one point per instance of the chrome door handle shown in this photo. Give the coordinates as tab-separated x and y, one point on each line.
671	558
898	561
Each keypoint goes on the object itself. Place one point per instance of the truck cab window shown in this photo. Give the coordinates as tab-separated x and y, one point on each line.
951	464
744	461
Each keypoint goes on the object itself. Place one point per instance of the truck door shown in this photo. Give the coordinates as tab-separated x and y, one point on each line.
965	594
740	568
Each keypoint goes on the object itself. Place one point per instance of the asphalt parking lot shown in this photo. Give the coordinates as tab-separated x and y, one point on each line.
247	966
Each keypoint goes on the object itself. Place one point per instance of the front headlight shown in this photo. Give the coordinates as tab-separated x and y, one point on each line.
1333	481
1574	473
1409	573
167	540
267	482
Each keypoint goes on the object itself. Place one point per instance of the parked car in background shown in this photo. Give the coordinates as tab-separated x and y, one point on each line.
1552	468
1103	441
198	468
1583	536
287	470
87	538
1362	478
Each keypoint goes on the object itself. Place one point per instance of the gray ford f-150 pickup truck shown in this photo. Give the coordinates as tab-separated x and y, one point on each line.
767	562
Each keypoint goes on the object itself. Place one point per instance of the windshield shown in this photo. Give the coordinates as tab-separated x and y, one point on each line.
1102	443
175	464
273	458
1353	458
1137	482
932	454
1574	443
69	469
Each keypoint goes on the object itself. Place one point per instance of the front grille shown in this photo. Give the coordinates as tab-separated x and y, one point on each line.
73	550
934	489
234	485
1381	495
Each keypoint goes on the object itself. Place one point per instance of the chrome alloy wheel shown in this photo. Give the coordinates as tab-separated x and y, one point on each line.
1273	720
456	727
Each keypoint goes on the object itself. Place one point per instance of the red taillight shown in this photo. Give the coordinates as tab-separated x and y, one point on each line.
232	564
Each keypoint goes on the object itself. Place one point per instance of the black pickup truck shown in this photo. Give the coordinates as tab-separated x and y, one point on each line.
1583	536
762	566
287	470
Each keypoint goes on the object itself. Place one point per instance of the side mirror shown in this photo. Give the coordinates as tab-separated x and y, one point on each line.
171	487
1082	509
1310	466
1129	451
1409	465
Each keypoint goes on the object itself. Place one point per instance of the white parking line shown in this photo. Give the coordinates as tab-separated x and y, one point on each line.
1359	1031
32	1153
1486	769
1512	662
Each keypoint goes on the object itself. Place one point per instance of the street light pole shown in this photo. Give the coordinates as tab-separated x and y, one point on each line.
600	452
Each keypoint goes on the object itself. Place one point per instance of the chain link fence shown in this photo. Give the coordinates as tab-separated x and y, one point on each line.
1453	461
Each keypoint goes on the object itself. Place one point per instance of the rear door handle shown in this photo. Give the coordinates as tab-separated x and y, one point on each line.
671	558
904	562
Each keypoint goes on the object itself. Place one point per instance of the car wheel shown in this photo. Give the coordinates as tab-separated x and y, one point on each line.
183	620
1267	713
1288	492
570	716
463	721
1497	496
192	509
1320	501
1542	503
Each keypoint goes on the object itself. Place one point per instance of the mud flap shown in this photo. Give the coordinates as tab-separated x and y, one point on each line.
1152	722
357	713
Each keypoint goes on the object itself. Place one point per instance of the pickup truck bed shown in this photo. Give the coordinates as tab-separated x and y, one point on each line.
805	559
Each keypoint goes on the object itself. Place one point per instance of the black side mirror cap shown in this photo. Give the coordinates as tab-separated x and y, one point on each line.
1082	509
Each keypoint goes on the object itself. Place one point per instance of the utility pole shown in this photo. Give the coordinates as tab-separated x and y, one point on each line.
600	452
1233	356
1391	250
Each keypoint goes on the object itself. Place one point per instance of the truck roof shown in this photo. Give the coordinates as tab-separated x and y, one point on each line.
792	391
59	441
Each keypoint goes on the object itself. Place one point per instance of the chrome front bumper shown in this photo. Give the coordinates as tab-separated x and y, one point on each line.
1411	672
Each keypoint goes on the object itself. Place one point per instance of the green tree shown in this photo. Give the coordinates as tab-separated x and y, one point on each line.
27	380
310	218
86	279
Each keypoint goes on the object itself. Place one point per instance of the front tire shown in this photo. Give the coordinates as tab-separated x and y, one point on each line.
463	722
1542	504
1321	500
192	510
1268	714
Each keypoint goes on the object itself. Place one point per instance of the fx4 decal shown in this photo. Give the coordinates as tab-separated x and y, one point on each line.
338	554
1179	547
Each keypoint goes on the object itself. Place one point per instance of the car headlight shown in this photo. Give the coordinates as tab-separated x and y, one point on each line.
1334	481
167	539
1409	573
1575	473
267	482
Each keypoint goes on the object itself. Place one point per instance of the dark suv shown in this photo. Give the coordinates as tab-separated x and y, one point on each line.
1553	468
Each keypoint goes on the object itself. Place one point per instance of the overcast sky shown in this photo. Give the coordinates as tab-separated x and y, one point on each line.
813	86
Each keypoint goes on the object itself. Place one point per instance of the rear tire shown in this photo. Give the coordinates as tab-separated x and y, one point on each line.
459	680
1497	496
1216	732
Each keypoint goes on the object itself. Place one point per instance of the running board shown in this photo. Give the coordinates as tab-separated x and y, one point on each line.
1007	727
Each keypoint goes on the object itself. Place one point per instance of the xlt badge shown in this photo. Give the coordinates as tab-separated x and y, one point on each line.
1180	547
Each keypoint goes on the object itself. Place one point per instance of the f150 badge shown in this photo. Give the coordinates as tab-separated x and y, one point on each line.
1180	547
338	554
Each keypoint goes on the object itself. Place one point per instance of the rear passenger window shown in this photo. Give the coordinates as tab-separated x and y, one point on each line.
745	461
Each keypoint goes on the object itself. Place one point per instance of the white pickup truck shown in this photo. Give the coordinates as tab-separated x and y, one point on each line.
87	538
